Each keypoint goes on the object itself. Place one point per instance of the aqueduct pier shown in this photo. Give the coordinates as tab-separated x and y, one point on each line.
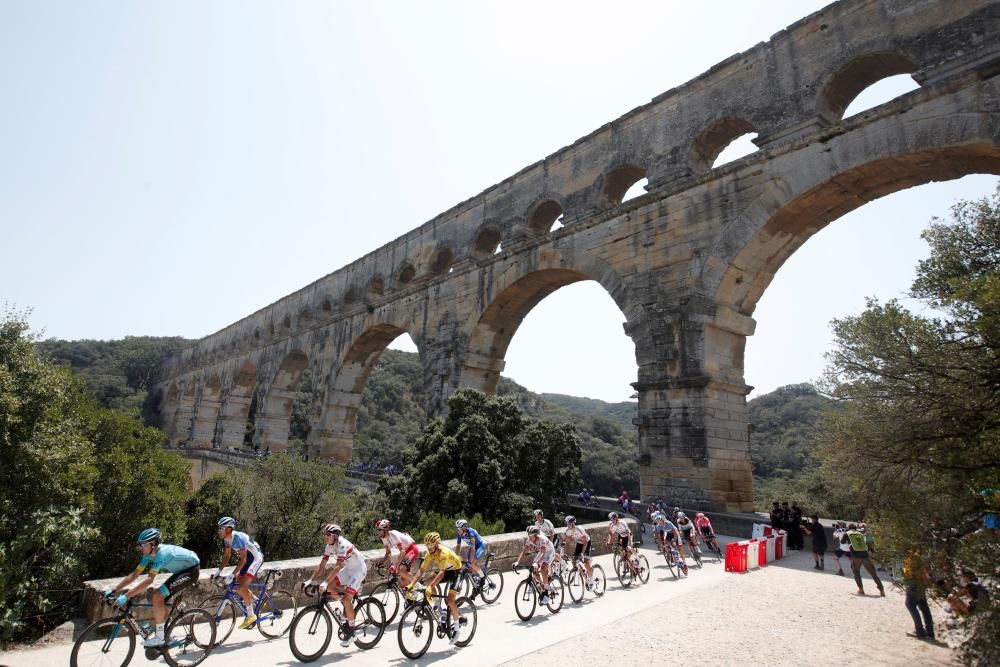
686	262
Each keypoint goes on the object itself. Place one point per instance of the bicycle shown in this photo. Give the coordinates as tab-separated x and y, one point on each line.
490	584
389	592
713	546
419	622
631	567
274	609
575	576
312	628
527	593
189	636
695	551
673	558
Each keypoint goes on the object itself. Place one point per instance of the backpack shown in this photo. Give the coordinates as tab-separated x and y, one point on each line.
857	539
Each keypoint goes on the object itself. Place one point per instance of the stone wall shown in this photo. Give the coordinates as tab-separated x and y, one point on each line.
505	548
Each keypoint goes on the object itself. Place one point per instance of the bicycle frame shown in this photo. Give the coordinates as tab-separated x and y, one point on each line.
143	630
259	600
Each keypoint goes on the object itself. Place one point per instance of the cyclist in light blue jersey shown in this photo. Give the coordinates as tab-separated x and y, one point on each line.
182	564
250	559
477	548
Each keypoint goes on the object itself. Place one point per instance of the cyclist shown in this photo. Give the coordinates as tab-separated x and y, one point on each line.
477	547
448	564
620	531
250	560
704	524
666	535
407	547
182	564
545	554
545	526
347	574
686	527
578	538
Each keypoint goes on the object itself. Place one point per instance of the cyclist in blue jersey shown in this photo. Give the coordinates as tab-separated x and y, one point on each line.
182	564
250	559
477	548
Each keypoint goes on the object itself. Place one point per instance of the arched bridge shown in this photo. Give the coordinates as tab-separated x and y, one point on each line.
686	262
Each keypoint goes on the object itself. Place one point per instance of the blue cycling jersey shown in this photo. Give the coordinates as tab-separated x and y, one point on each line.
665	527
169	558
472	535
241	541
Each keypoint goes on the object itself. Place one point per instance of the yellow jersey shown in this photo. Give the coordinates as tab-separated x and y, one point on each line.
444	559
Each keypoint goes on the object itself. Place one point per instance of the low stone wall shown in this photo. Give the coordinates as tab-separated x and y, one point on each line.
504	547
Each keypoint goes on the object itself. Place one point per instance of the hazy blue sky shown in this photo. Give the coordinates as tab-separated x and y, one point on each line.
169	167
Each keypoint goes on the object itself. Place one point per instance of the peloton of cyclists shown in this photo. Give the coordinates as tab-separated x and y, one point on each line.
250	559
346	576
406	547
545	554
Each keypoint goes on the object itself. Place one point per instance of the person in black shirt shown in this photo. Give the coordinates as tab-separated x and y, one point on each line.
793	519
777	517
815	529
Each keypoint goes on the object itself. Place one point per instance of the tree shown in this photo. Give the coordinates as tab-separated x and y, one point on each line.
486	457
919	438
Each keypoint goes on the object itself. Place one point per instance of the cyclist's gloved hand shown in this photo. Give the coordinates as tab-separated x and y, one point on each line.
121	600
229	580
392	569
323	587
106	593
307	583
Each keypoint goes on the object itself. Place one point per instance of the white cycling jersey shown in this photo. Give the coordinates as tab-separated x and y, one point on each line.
547	528
396	540
575	535
619	528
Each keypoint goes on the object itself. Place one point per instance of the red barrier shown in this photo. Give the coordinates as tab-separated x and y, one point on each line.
779	546
761	552
736	557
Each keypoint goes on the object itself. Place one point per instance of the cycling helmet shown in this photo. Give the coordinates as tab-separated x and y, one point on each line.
570	518
656	517
699	515
332	529
430	539
461	524
382	524
613	515
538	513
149	535
681	515
227	522
533	530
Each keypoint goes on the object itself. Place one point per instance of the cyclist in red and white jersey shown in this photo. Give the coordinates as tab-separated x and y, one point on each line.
545	554
347	574
619	530
578	539
406	546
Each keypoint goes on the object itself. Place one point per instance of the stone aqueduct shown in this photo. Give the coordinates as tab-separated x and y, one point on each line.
686	262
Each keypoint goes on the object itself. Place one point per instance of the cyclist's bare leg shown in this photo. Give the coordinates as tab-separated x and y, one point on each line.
159	607
243	590
452	606
348	602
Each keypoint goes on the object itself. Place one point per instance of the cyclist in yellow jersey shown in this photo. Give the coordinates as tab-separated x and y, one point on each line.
449	565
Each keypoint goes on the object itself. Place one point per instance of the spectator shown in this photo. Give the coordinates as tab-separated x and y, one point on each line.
625	501
793	519
969	595
862	546
776	517
915	580
815	528
842	546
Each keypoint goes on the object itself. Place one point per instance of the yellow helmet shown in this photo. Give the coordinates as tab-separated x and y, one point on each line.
430	539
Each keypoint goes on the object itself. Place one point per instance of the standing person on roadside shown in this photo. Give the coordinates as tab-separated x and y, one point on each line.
862	546
842	546
776	517
915	581
815	528
794	521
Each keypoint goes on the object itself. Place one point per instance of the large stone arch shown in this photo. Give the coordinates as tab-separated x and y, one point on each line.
333	436
273	420
232	424
207	413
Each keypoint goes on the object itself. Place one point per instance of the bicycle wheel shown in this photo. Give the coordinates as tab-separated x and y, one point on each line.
467	630
617	558
276	614
416	630
224	611
104	643
697	557
189	638
598	582
525	600
369	622
557	594
575	584
492	585
388	596
310	633
643	565
624	573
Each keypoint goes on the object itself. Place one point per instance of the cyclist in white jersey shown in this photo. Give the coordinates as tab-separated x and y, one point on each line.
578	539
250	559
407	550
619	530
346	577
544	525
545	554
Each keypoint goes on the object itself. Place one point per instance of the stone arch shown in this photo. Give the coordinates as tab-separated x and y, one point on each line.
326	307
334	436
616	182
405	273
495	320
286	322
442	260
184	417
207	413
376	287
713	140
853	77
275	414
543	214
235	409
304	318
488	240
350	296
